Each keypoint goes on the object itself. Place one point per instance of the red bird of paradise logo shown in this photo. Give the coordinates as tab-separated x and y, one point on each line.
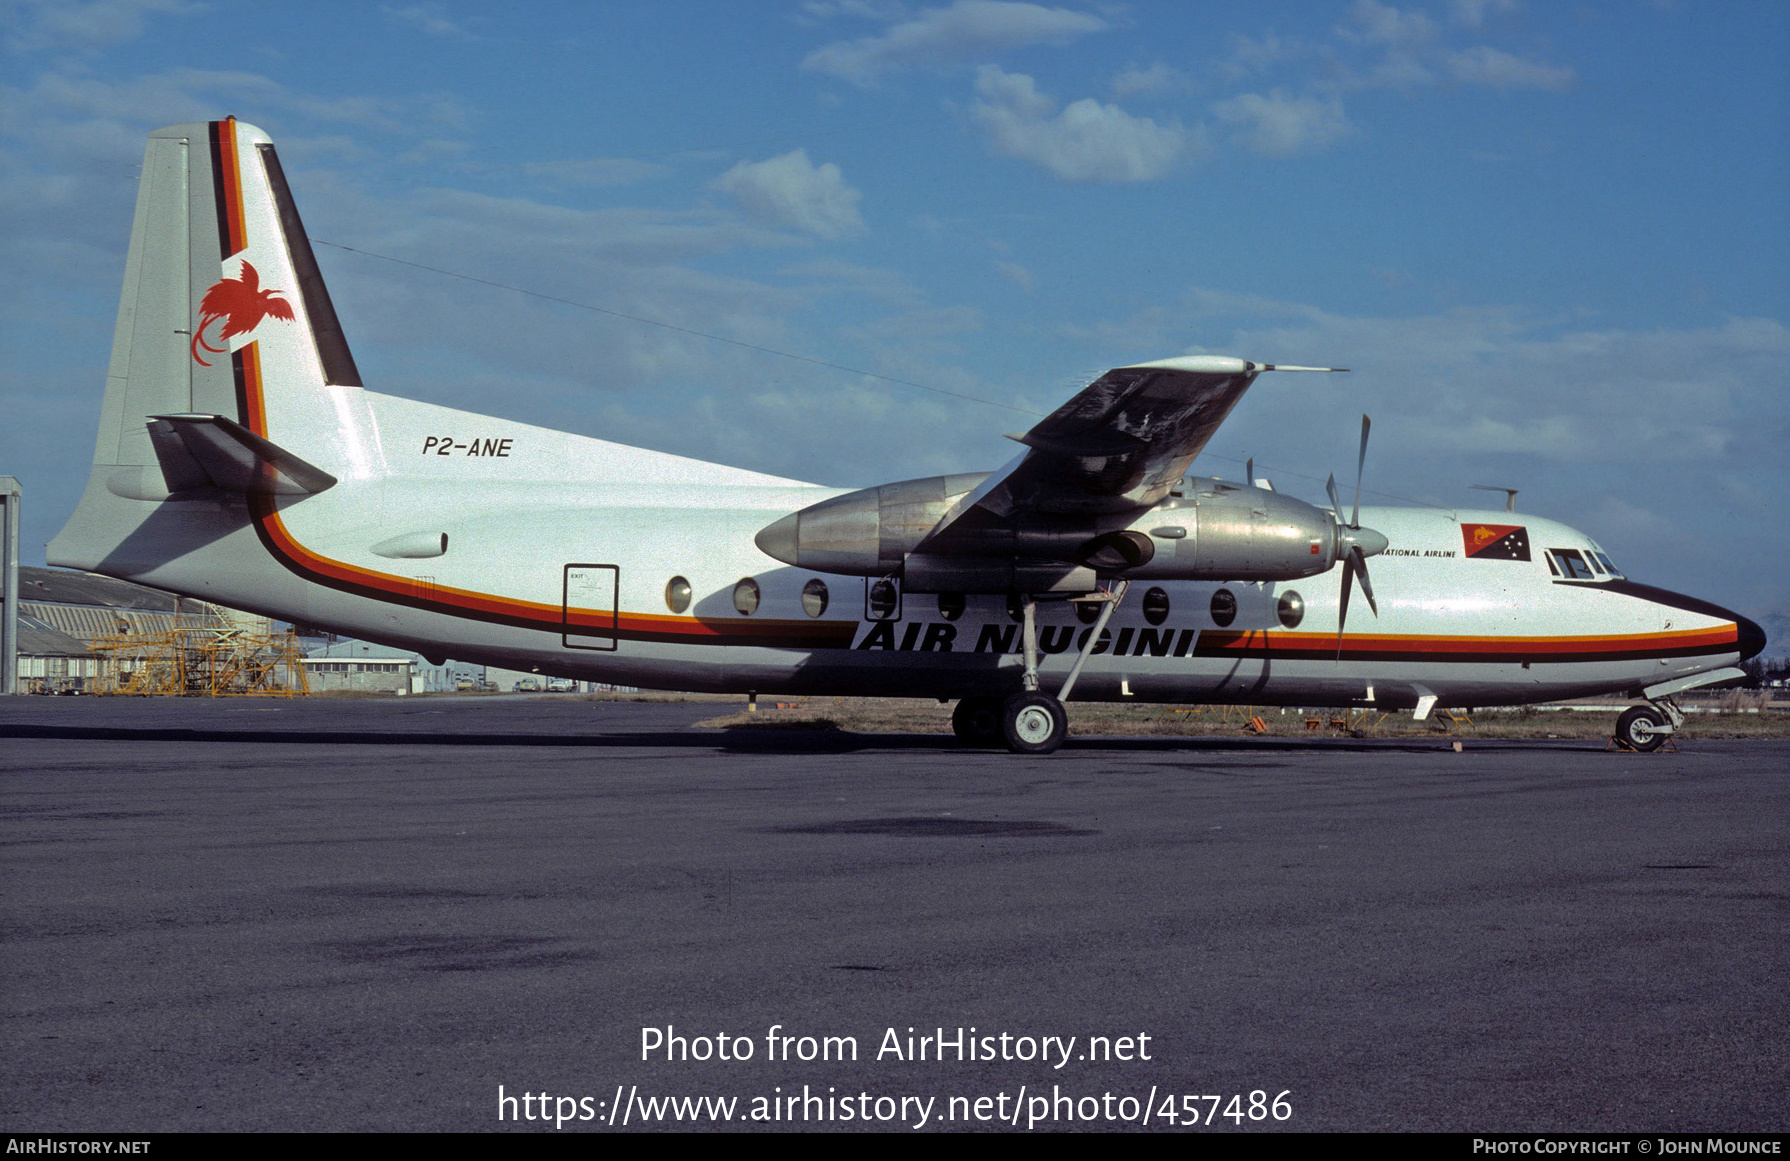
241	304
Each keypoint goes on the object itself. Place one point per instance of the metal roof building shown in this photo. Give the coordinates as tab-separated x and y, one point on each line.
62	613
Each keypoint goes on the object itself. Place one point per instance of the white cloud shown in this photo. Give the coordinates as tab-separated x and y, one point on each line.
1157	80
1374	23
792	191
594	171
1472	13
1246	54
884	10
940	36
1017	274
1281	126
1482	65
1571	415
1087	141
44	24
426	18
1411	53
200	94
1491	381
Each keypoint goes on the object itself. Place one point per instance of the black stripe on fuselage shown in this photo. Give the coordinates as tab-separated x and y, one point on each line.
1670	599
1432	656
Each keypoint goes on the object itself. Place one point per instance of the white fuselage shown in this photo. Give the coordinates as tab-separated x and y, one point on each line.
238	459
1465	630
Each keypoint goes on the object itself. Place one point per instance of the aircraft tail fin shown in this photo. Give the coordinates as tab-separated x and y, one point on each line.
224	318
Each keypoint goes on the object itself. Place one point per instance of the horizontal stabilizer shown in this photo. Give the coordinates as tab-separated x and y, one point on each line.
231	457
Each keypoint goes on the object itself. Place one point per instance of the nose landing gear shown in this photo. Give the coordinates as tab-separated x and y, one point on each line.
1646	727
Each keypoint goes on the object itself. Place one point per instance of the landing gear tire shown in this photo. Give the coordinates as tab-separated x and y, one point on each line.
1640	728
1033	723
977	721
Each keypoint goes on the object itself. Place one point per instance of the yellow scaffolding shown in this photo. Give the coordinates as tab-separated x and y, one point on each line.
201	660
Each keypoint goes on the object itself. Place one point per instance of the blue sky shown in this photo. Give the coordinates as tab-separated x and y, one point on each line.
1553	241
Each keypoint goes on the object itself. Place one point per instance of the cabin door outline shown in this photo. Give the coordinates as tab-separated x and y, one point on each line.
590	614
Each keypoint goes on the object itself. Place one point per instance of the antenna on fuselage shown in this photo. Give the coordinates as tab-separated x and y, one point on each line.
1510	494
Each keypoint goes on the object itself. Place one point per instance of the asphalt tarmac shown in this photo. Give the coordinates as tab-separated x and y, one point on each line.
340	915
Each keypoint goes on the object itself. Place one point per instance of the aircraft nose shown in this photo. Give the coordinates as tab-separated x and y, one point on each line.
1751	637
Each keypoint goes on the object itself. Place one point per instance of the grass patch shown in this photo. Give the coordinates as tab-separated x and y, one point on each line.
774	720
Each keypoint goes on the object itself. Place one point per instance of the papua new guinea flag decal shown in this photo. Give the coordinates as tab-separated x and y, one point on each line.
1496	541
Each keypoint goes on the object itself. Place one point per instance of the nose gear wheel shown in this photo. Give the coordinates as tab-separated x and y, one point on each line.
1642	728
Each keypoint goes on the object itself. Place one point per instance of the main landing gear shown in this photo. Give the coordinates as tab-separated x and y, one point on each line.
977	721
1030	721
1033	723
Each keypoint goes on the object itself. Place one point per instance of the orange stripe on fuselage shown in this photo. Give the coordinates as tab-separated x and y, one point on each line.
1517	647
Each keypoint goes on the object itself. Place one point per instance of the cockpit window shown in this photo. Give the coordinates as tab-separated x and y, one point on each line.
1603	558
1569	563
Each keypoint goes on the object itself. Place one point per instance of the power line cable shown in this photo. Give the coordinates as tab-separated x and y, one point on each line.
786	354
651	322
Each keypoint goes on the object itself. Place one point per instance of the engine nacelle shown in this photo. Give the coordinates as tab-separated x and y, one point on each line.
1208	530
1217	530
868	532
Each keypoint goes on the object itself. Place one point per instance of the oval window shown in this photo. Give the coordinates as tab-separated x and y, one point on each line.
814	597
1156	606
1224	608
1291	609
745	596
677	594
951	606
884	597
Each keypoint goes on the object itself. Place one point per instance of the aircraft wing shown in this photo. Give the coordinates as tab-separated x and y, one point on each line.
1120	444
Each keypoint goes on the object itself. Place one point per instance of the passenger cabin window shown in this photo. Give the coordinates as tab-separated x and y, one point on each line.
882	601
1569	563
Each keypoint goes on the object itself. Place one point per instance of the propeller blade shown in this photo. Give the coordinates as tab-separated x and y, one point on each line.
1249	472
1360	463
1335	500
1342	608
1358	565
